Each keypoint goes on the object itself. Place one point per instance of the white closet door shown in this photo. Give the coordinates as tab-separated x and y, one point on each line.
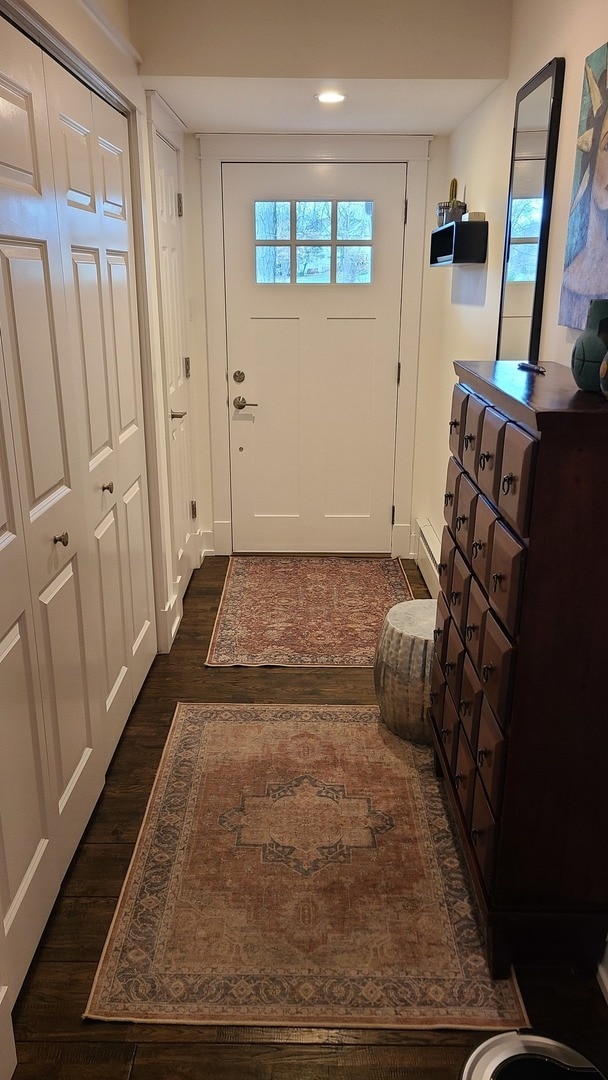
90	157
49	778
166	170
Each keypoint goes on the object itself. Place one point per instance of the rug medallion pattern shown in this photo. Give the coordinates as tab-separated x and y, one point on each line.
297	866
296	611
306	824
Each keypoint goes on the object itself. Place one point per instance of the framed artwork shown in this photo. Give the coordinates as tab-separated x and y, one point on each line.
586	260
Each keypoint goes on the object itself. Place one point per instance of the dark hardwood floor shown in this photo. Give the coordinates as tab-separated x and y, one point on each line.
55	1043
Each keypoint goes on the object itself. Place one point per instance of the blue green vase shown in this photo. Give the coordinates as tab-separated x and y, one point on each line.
590	348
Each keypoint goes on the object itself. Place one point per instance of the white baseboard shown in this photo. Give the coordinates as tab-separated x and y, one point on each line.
401	541
427	555
222	533
207	544
8	1054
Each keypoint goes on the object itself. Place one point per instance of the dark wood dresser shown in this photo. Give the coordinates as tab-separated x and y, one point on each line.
519	695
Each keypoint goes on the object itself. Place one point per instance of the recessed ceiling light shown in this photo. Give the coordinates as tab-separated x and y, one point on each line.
330	97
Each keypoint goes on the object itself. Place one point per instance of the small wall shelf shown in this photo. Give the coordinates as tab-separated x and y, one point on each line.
459	243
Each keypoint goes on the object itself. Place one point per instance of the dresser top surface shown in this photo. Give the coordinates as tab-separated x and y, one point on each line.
536	401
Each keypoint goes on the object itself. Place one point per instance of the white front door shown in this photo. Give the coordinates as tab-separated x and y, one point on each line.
314	256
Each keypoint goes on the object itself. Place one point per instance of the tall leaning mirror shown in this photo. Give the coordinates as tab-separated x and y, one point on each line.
534	150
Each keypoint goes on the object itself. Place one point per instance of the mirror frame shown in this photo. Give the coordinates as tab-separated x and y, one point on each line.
553	71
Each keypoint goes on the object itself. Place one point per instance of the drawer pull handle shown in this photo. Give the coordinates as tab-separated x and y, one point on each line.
460	521
62	538
486	671
447	667
458	779
448	498
464	707
455	598
454	424
469	440
469	631
476	548
437	632
496	580
432	696
475	835
481	755
507	481
484	458
445	734
441	568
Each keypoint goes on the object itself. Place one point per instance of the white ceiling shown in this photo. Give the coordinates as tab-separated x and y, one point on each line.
372	106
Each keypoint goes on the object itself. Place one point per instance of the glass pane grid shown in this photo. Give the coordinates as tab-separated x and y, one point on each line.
321	241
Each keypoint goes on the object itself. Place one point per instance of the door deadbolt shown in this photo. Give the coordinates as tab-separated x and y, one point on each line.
238	376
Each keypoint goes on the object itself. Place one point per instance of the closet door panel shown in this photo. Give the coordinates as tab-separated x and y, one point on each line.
97	248
29	871
45	414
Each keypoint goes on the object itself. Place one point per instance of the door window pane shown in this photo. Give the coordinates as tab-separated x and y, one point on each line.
355	220
313	264
272	221
272	264
313	220
353	265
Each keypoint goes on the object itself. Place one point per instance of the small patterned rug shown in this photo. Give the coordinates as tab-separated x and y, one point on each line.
296	611
297	866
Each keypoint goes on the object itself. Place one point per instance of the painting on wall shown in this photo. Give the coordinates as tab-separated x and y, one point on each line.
586	260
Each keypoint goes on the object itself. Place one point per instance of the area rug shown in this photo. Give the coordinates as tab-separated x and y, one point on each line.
294	611
296	866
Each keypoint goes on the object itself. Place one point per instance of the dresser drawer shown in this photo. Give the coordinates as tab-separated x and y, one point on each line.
448	731
454	660
474	623
465	513
469	703
459	590
442	626
450	497
518	457
464	776
458	413
505	577
481	540
471	440
490	754
490	453
437	692
483	832
497	657
446	559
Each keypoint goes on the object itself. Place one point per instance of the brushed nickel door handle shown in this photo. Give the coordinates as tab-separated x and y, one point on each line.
62	538
239	402
177	415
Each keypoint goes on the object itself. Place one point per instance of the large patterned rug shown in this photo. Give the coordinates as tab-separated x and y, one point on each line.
300	610
296	866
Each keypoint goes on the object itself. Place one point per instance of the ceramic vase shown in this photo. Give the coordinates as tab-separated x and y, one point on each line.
590	349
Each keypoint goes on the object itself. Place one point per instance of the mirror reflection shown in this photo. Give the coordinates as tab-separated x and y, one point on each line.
537	110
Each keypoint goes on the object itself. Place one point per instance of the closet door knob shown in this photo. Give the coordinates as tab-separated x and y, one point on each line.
63	538
108	487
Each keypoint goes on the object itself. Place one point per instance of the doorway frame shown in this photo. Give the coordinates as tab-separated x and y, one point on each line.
412	151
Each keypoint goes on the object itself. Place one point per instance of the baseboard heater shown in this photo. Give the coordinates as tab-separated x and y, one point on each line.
429	548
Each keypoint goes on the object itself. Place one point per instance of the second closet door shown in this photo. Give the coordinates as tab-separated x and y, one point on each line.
89	143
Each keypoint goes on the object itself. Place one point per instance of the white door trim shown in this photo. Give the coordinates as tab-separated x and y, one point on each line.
216	149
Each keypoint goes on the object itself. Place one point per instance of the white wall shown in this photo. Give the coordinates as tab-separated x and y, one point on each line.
478	155
390	39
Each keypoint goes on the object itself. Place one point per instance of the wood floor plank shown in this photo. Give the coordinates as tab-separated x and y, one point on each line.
66	1061
53	1039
